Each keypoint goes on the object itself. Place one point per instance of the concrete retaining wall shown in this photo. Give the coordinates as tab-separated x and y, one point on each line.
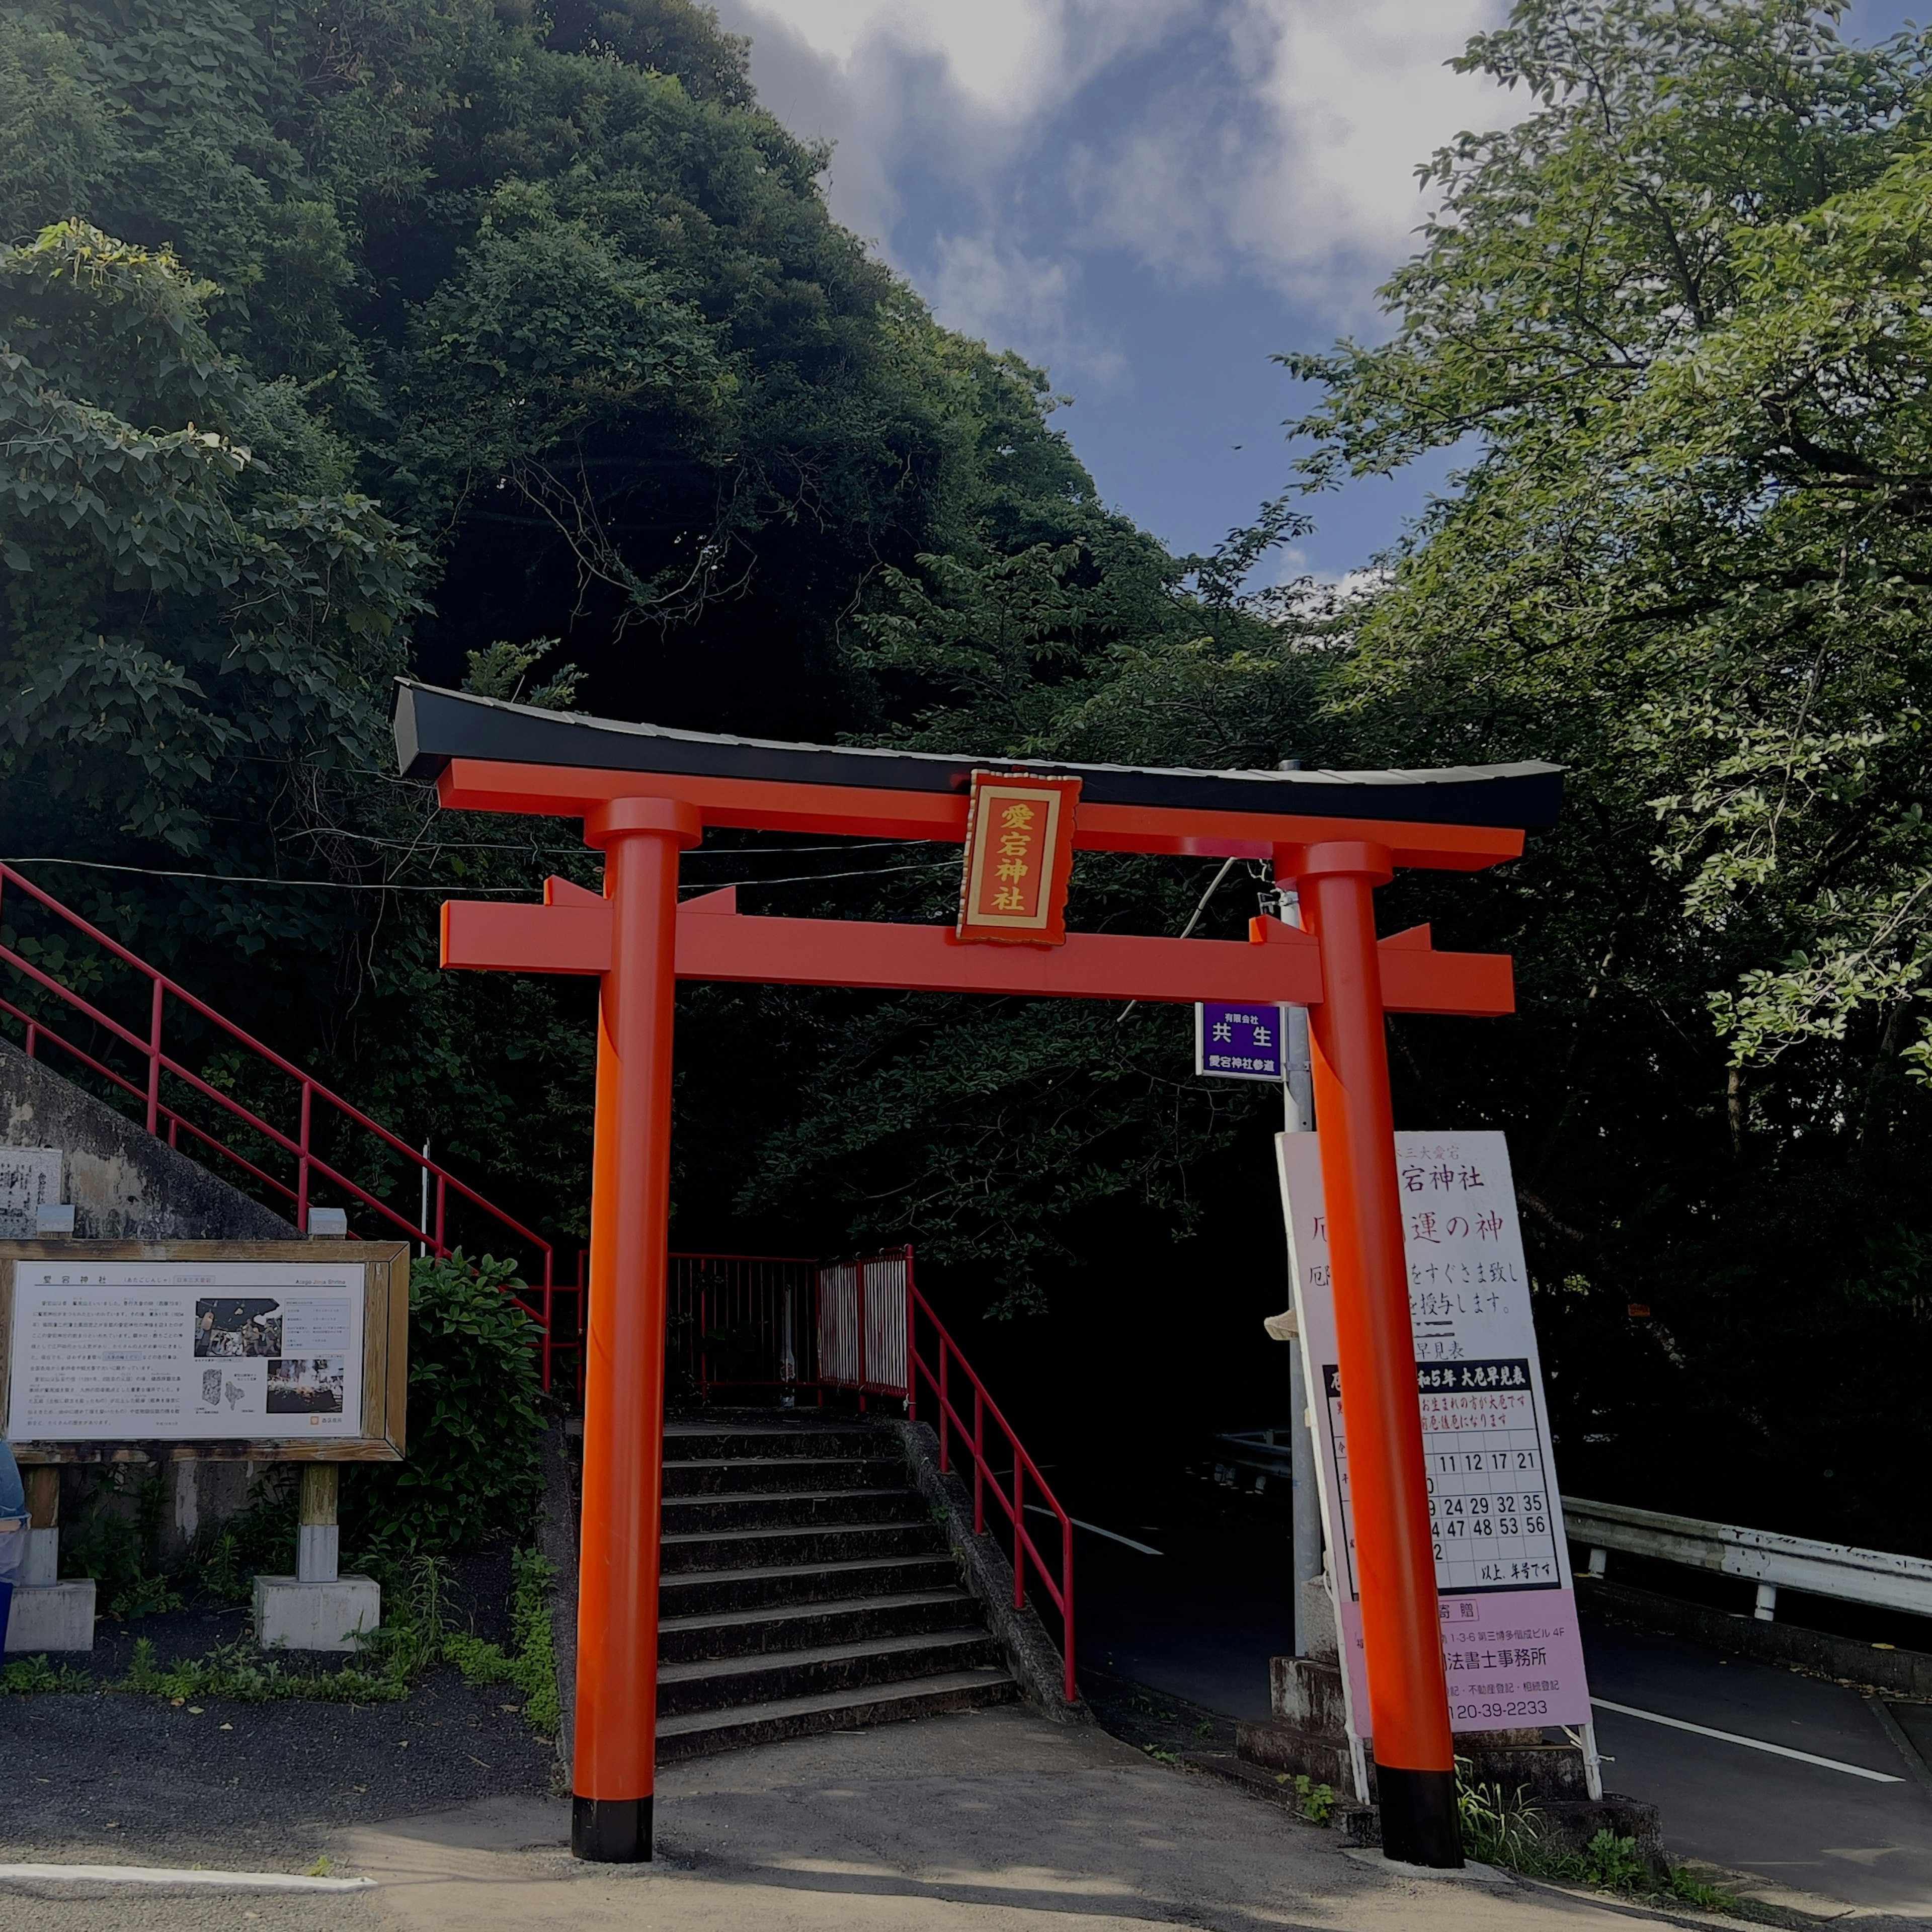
123	1183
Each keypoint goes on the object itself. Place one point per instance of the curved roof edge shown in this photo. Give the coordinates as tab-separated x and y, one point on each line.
433	726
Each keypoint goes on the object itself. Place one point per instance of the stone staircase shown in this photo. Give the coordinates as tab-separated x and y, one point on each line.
805	1588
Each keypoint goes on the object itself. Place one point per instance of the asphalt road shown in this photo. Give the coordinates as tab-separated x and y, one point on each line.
1201	1620
1817	1830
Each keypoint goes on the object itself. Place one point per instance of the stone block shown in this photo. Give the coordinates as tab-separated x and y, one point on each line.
1570	1824
1545	1774
294	1615
1307	1695
51	1616
43	1560
1317	1622
1324	1757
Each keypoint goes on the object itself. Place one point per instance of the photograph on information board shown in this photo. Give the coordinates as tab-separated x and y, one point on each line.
162	1351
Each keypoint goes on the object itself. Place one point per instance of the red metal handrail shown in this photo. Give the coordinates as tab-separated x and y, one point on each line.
309	1164
856	1353
985	1476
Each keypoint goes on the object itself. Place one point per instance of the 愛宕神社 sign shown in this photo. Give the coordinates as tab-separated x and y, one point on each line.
1019	856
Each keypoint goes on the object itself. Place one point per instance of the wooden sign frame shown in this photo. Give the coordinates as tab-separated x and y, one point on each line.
386	1353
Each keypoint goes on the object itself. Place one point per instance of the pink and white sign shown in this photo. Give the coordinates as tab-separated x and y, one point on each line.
1510	1646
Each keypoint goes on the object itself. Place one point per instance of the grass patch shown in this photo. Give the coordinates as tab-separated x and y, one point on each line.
415	1636
1506	1829
26	1676
249	1674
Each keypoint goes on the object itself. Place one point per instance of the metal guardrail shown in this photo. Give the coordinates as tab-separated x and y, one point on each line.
1853	1576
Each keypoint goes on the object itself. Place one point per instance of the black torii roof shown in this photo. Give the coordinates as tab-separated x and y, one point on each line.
433	726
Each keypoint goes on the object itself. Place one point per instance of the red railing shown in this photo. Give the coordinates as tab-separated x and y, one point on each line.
943	1377
858	1325
743	1321
312	1096
862	1324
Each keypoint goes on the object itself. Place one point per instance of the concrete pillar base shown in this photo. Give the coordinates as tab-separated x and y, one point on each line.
295	1616
51	1616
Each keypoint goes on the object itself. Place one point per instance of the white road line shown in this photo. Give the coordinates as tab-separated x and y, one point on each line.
1753	1743
1111	1535
223	1881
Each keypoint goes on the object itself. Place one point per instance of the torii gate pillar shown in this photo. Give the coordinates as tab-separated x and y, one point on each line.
624	1350
1395	1558
644	793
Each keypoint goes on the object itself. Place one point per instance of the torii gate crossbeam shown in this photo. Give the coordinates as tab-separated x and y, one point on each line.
645	793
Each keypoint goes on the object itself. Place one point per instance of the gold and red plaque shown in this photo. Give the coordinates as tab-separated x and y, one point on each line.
1019	856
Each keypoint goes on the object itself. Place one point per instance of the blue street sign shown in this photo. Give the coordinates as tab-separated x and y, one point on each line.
1239	1042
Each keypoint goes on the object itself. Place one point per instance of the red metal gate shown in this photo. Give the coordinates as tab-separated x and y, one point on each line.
862	1323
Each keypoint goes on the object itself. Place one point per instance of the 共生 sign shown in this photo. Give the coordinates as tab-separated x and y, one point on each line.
1239	1042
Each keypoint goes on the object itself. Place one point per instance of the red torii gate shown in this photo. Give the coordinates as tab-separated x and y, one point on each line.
645	793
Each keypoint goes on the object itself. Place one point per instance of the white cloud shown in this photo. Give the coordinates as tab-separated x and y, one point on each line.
1276	138
986	287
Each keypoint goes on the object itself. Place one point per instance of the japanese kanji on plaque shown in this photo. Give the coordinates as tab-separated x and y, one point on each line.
1510	1647
297	1349
1019	856
1240	1042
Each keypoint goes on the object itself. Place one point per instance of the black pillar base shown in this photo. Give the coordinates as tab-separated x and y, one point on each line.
610	1831
1419	1822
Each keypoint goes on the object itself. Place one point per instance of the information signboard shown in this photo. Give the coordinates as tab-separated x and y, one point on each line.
279	1351
1240	1042
1511	1648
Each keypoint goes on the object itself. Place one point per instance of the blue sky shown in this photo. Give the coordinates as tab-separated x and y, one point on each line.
1149	197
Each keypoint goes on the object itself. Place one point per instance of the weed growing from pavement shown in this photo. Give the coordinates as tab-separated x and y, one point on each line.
28	1675
1502	1829
1317	1800
533	1666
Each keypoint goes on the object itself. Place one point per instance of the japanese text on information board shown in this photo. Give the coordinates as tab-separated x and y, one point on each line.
1510	1647
185	1350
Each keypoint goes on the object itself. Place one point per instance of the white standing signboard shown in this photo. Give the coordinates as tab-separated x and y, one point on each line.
180	1350
1511	1646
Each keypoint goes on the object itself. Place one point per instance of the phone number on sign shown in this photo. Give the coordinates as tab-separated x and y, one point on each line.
1521	1707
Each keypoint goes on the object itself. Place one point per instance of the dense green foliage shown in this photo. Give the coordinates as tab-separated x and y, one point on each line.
475	1464
517	346
1677	316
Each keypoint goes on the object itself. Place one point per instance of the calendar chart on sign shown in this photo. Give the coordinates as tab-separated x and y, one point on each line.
1488	1510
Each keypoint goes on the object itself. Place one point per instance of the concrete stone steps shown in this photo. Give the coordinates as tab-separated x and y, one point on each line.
729	1511
830	1543
697	1733
695	1476
805	1588
805	1626
758	1586
716	1683
700	1441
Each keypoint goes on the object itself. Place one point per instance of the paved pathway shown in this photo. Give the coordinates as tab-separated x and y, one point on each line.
996	1822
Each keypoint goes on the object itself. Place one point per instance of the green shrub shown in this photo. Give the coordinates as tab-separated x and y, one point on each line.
1612	1863
474	1458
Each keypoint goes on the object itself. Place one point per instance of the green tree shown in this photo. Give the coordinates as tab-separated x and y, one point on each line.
198	608
1674	321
